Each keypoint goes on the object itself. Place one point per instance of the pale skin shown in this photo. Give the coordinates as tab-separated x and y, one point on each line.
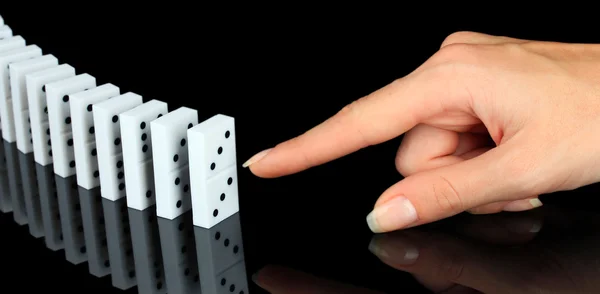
490	123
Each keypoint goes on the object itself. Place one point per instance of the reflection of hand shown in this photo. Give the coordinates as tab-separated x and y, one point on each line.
462	265
282	280
489	122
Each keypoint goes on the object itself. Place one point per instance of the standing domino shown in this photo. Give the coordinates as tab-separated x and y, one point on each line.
108	143
59	114
84	140
6	112
137	152
18	71
11	43
170	161
38	109
5	32
214	170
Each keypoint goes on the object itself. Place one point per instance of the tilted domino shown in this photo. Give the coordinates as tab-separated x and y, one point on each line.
5	32
214	170
108	143
84	140
59	115
10	44
38	109
6	113
18	71
170	161
137	152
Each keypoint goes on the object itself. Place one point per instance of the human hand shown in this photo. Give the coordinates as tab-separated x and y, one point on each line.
562	261
490	122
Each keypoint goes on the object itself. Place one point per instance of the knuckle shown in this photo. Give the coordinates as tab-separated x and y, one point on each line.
457	52
457	37
446	196
353	116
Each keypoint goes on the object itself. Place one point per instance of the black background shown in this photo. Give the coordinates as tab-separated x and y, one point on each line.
278	71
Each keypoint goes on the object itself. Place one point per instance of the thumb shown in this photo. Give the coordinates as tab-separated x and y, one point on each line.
443	192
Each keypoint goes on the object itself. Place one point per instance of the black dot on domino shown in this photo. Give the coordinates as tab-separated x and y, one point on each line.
175	158
227	134
94	152
145	148
143	125
70	142
144	137
220	150
226	243
178	204
46	109
177	181
96	174
92	130
44	88
72	163
190	126
229	181
236	249
186	188
148	194
117	141
66	98
217	236
215	212
120	175
48	131
115	119
182	142
89	107
222	196
49	142
213	166
68	120
121	186
223	282
159	115
119	164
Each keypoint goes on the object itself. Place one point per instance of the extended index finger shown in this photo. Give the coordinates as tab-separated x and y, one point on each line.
376	118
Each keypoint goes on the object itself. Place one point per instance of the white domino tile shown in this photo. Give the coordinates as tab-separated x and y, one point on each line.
59	115
5	32
6	112
170	161
38	110
108	143
213	167
84	140
11	43
18	71
137	152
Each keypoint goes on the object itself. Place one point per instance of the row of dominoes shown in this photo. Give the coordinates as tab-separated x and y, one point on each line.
114	140
133	152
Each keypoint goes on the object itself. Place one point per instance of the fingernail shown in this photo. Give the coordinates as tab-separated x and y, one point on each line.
403	254
258	156
395	214
521	205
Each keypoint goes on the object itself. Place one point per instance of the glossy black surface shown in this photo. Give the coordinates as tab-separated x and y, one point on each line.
306	233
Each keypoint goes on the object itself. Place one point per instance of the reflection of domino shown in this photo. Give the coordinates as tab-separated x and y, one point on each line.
213	168
6	112
137	152
170	161
59	114
84	140
18	71
108	143
38	109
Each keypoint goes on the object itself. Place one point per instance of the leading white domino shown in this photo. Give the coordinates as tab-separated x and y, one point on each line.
6	112
170	161
59	115
38	109
18	71
108	143
84	140
137	152
5	32
11	43
213	167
